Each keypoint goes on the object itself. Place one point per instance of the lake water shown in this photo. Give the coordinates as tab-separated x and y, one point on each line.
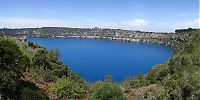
93	59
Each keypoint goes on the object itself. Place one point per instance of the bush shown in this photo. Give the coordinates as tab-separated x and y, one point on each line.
8	86
29	94
75	77
12	65
195	95
183	83
66	88
106	91
157	73
46	63
139	81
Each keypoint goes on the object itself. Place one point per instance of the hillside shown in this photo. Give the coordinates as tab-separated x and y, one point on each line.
99	33
27	70
178	78
30	71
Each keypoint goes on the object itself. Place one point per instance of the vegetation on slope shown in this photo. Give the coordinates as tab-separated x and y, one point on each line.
106	91
178	78
12	66
29	71
28	75
69	87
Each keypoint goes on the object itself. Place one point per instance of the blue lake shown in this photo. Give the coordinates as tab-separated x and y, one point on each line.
93	59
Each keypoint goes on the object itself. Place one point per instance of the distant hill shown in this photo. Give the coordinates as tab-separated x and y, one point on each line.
113	34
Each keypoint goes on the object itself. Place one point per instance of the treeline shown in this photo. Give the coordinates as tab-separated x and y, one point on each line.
98	33
185	30
65	31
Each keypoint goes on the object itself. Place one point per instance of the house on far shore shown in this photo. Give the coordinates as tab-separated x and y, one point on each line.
21	38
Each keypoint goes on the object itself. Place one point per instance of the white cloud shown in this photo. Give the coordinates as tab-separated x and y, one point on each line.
91	23
30	22
135	24
188	23
197	21
172	26
33	23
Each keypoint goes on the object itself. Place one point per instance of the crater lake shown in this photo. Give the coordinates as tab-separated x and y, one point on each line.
93	59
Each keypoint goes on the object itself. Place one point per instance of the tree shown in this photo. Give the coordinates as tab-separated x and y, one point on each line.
106	91
67	88
29	94
47	64
12	65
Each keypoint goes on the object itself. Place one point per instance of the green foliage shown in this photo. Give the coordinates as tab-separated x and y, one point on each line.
68	88
176	79
157	73
1	35
154	92
139	81
180	76
29	94
75	77
46	63
33	45
12	65
15	60
195	95
11	57
184	82
23	46
106	91
9	86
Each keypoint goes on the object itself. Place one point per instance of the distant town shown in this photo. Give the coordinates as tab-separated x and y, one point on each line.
97	33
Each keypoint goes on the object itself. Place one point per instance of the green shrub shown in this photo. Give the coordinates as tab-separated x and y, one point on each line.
106	91
195	95
12	65
46	63
75	77
183	83
157	73
139	81
29	94
66	88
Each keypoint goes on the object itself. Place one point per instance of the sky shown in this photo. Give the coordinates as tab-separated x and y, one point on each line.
143	15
